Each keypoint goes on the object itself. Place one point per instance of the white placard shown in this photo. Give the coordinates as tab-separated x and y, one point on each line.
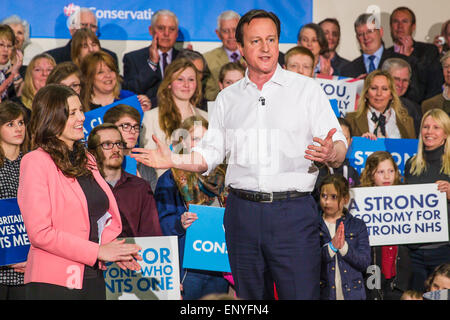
401	214
159	277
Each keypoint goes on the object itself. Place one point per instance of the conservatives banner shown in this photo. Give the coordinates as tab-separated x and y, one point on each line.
205	246
14	243
401	214
400	149
129	20
159	277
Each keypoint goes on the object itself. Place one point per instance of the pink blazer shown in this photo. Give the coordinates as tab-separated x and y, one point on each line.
55	213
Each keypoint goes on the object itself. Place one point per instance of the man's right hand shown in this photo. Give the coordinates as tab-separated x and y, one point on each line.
159	158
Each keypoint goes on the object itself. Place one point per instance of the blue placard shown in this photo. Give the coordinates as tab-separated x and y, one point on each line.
400	149
334	106
14	243
129	165
129	20
205	247
95	117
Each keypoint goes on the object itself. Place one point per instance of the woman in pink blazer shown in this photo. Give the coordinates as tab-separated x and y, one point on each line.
70	213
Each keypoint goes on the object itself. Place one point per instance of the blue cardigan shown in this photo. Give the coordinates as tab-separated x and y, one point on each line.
171	206
352	266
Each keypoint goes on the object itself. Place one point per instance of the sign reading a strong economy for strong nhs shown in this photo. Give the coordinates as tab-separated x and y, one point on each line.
205	247
401	214
129	20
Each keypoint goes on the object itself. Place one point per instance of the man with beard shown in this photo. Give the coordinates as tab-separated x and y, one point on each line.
133	194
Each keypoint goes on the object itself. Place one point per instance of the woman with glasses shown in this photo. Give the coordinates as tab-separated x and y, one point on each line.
36	76
178	95
10	64
102	82
68	74
69	211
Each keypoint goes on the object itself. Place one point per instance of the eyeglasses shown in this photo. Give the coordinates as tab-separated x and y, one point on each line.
75	86
126	127
6	46
228	31
108	145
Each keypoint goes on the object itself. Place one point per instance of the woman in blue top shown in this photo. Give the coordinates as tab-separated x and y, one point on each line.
102	82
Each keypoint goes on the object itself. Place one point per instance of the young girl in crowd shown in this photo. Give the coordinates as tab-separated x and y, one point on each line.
345	244
13	144
381	170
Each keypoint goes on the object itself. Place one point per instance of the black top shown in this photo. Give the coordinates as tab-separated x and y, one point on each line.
432	173
9	183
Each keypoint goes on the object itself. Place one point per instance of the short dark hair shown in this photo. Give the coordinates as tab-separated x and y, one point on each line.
411	13
255	14
345	123
115	113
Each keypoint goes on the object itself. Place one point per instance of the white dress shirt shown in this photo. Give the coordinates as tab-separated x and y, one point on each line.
391	124
263	134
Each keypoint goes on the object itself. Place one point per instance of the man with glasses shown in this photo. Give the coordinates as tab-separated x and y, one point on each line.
128	121
83	18
134	196
143	69
369	34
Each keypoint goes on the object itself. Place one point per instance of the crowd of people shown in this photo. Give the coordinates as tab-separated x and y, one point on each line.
289	234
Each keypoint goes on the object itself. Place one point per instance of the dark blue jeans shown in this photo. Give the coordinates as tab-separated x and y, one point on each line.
198	283
271	243
424	261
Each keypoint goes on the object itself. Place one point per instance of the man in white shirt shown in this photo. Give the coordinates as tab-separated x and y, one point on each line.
265	126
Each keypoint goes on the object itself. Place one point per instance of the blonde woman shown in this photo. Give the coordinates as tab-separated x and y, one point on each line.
36	77
178	96
380	113
431	164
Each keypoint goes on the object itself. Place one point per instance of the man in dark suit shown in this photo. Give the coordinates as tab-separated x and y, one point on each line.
332	30
369	34
144	68
423	57
83	18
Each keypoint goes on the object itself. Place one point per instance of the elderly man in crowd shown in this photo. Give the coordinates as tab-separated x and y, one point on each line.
82	18
423	57
144	68
228	52
400	70
133	194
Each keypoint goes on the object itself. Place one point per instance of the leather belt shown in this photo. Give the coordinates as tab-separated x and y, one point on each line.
267	196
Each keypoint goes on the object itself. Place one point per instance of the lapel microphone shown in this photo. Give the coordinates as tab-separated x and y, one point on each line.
262	100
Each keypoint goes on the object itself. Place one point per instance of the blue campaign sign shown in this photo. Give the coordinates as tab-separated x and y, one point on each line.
129	165
95	117
129	20
205	247
400	149
14	243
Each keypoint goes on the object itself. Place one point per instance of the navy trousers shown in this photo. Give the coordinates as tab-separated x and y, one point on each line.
271	243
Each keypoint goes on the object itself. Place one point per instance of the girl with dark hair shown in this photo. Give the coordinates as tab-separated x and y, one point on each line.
13	145
345	244
69	211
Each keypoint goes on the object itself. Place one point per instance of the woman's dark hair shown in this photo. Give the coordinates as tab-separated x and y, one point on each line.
321	38
10	111
49	116
255	14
